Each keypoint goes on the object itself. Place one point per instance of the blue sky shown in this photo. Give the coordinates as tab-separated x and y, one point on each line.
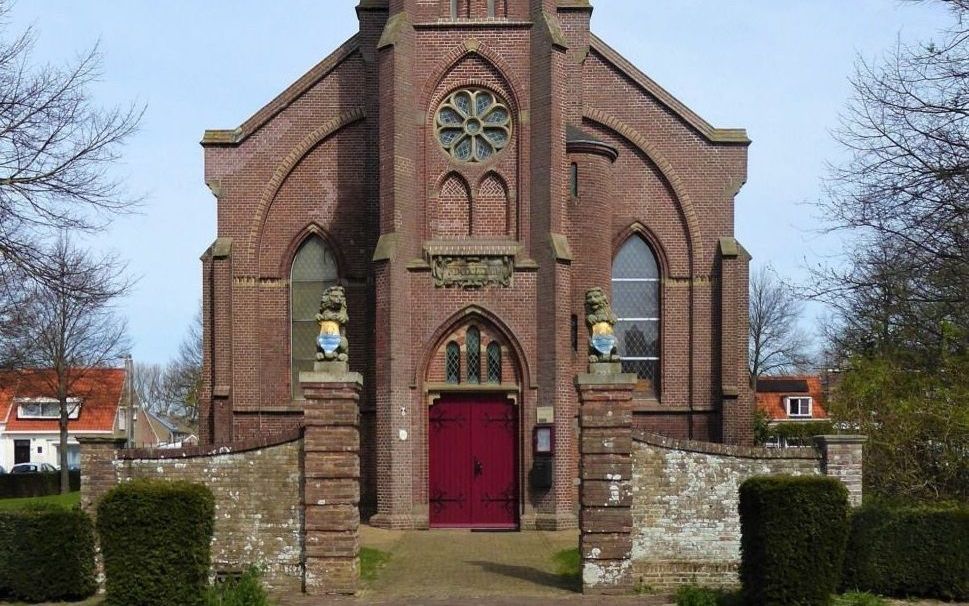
778	68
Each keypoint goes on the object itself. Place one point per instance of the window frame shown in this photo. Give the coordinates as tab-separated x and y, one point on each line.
73	403
452	349
658	319
295	392
473	355
799	415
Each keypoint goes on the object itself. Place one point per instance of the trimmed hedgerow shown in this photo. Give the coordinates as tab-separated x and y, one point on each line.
24	485
46	554
913	551
155	540
793	535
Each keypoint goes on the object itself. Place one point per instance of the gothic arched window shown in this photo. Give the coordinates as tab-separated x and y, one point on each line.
494	362
472	343
314	269
635	300
452	363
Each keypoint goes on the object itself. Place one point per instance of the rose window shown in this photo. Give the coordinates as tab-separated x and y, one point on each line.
473	125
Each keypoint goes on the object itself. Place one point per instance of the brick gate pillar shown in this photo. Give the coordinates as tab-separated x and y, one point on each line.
605	469
98	474
331	468
842	457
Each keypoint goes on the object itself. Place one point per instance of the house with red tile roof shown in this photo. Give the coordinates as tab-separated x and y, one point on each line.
797	399
29	414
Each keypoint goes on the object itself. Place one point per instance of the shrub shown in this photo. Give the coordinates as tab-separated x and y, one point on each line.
247	590
914	551
22	485
46	554
692	595
155	539
793	535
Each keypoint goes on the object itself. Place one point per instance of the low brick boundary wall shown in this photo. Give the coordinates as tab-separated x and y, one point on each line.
686	528
257	486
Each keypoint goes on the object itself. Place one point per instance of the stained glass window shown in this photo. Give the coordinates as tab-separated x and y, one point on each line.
494	362
314	269
635	300
452	363
472	343
473	125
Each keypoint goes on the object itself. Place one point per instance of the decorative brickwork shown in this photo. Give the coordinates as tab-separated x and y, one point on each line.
352	152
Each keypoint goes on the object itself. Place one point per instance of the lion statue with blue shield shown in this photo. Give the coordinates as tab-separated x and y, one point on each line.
600	320
331	344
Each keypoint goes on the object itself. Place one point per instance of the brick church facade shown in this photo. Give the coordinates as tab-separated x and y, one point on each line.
467	170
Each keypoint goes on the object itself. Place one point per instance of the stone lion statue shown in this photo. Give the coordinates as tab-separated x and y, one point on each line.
600	320
332	344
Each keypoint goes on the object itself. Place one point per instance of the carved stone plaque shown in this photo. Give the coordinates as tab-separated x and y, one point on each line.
471	265
472	272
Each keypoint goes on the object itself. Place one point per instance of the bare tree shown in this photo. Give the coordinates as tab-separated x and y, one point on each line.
777	344
902	198
68	325
184	373
56	146
172	389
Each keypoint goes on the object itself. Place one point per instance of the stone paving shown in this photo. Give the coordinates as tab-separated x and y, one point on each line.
463	567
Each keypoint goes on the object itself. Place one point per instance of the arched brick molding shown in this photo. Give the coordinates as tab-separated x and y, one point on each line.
285	261
492	211
287	165
474	313
472	47
450	215
666	169
638	229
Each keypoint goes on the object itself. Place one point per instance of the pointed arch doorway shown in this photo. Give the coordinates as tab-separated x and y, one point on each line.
473	431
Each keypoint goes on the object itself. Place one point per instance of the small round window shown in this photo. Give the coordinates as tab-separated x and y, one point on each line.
473	125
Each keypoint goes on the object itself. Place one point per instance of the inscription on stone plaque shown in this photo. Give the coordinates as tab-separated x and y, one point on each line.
471	264
472	272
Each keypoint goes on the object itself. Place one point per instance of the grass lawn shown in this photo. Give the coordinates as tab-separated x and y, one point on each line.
64	500
568	565
371	561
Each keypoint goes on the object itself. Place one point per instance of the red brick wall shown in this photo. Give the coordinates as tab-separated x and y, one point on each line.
349	152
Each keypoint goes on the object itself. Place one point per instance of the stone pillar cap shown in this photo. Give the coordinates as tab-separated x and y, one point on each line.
622	378
840	439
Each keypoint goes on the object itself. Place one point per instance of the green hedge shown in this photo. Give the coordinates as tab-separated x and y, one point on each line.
155	539
22	485
46	554
793	535
916	551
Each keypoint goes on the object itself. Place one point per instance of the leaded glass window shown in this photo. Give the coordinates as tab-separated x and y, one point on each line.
494	362
473	125
635	300
452	363
472	343
314	269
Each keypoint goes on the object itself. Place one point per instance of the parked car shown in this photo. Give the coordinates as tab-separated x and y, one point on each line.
33	468
2	470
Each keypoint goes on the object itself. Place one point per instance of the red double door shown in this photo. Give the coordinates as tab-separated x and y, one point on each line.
473	462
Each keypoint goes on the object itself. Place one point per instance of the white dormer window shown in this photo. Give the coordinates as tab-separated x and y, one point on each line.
799	407
46	408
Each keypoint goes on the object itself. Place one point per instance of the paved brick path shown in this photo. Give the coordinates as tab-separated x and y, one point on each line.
475	568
